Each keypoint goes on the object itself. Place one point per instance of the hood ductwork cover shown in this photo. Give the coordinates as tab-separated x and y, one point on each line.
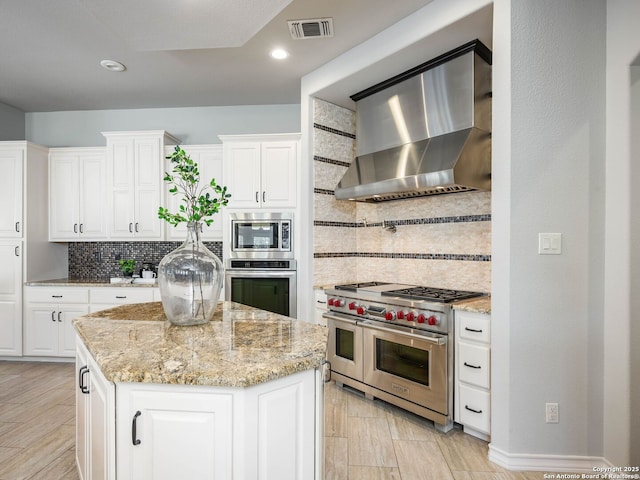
424	132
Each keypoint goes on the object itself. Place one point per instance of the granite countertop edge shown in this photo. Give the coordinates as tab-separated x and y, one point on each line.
476	305
218	354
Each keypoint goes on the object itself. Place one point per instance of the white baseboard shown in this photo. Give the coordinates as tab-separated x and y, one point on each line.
546	463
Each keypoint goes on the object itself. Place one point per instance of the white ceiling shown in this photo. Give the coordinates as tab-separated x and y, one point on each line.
182	53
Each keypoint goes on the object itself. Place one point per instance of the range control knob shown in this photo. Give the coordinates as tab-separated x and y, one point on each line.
338	303
361	310
401	314
433	320
421	318
411	316
353	306
331	301
390	315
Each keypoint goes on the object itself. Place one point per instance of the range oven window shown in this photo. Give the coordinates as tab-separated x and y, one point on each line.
259	235
403	361
344	344
271	294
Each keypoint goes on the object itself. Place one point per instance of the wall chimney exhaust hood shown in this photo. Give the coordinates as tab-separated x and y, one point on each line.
426	131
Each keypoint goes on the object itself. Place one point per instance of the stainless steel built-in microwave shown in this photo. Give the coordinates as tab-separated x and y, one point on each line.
261	235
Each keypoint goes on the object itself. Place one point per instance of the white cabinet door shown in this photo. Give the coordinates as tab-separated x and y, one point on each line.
66	332
261	174
95	420
64	188
278	174
120	153
92	205
101	426
48	328
77	194
82	412
135	184
173	434
41	330
11	192
147	188
242	174
209	160
11	298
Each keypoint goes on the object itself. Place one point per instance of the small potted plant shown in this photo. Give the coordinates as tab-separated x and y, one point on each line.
190	278
127	267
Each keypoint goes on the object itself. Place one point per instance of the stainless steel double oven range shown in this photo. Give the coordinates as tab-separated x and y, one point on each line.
261	268
395	342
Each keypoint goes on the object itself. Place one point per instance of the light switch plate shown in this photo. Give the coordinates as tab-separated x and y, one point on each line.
549	243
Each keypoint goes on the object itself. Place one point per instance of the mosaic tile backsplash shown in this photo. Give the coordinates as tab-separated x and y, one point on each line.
99	260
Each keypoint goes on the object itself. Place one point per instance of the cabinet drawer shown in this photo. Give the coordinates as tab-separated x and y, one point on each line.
473	364
475	408
121	295
57	295
474	326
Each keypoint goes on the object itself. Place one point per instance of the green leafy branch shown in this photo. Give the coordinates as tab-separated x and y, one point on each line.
198	202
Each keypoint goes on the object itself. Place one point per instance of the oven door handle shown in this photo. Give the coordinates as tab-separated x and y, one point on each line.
434	338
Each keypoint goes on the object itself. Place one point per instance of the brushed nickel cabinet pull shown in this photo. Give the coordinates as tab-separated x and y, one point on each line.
17	251
75	228
53	316
18	227
130	227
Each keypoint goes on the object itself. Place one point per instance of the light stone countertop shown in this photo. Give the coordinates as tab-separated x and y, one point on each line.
477	305
241	346
71	282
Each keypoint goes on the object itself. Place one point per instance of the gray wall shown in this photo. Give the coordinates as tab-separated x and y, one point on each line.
548	166
192	125
12	123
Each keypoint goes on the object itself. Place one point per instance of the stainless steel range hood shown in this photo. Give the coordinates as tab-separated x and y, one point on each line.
424	132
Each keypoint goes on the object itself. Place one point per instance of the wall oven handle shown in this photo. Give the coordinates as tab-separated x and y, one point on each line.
428	336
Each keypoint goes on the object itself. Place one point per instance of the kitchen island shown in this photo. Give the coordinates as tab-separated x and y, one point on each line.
237	398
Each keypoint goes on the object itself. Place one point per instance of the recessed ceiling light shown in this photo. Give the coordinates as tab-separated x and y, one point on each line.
113	66
279	53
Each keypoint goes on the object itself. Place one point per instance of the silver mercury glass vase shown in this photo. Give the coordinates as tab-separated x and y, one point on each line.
190	280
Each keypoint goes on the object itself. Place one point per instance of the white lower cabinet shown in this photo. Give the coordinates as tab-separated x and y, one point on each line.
108	297
11	297
472	406
265	432
320	302
49	312
95	420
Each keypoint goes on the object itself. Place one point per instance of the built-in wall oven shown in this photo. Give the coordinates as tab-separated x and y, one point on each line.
395	342
261	268
266	284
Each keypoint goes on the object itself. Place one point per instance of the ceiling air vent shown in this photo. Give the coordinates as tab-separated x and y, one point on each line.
313	28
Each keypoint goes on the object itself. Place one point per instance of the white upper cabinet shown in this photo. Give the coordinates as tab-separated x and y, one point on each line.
209	160
135	171
11	192
260	170
77	194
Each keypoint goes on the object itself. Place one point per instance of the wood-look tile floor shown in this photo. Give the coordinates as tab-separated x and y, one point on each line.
372	440
368	440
